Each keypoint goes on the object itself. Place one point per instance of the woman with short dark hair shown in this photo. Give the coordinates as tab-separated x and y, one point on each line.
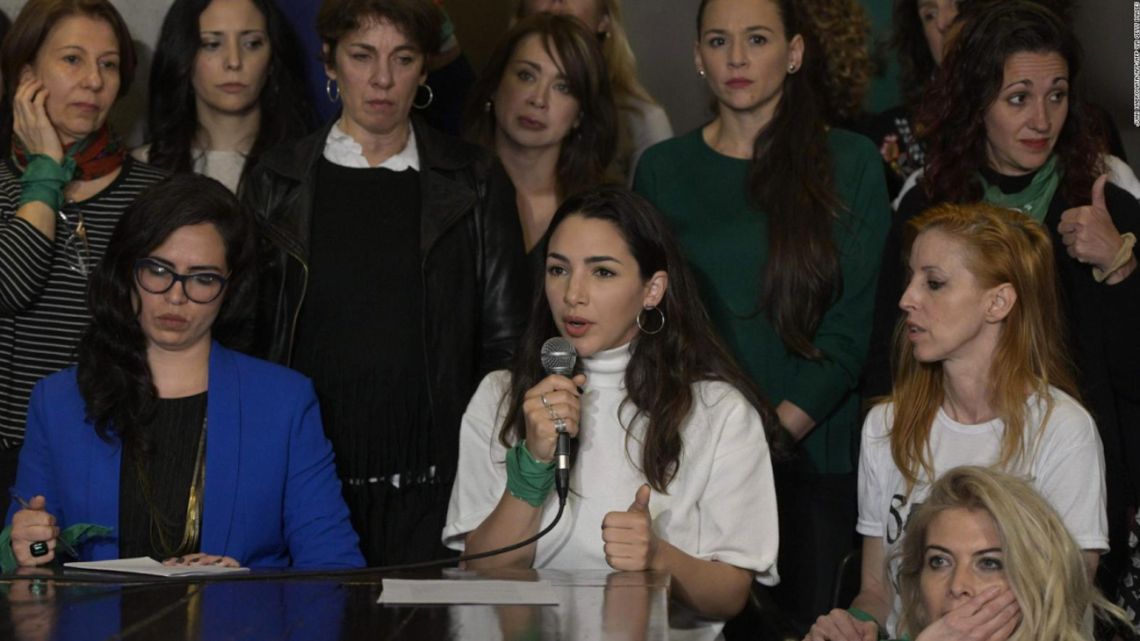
393	272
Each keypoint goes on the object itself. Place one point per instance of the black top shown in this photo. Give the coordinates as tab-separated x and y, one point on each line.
154	487
360	333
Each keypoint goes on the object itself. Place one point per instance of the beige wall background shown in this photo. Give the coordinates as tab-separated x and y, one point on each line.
661	32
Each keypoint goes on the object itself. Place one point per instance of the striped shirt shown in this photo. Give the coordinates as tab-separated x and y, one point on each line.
43	285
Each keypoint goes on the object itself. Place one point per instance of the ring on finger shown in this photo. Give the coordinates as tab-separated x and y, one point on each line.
545	403
560	425
553	414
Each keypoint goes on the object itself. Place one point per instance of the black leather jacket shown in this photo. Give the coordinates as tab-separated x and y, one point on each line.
475	279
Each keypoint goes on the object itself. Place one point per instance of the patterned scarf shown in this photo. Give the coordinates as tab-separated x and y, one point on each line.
97	155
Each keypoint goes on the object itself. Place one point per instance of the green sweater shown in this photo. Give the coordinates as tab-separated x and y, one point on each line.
702	195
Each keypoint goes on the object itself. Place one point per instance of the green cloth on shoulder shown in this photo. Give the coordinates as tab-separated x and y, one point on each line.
702	194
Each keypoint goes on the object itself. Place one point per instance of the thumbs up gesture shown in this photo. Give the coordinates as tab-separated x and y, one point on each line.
1088	232
630	543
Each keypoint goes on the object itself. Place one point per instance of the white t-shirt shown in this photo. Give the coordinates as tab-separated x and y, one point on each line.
1064	462
721	506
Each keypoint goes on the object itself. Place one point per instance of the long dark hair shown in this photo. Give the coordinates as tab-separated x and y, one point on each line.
909	42
790	179
663	366
588	150
969	81
172	119
114	376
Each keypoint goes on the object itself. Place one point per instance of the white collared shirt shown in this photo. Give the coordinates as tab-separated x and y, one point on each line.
341	149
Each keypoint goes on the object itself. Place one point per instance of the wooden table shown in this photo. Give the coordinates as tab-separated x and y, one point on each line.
65	606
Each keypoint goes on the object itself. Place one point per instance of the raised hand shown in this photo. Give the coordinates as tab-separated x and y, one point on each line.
992	615
30	120
630	543
1088	231
554	402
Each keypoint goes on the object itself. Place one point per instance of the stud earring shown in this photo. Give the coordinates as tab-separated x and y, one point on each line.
701	72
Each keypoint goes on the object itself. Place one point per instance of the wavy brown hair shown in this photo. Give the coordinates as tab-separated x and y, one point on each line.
1043	564
790	179
952	112
843	31
663	366
1000	246
587	151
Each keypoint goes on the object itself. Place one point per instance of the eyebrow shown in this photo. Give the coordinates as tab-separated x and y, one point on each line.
1029	83
192	268
372	49
940	548
539	68
84	50
589	260
746	30
218	32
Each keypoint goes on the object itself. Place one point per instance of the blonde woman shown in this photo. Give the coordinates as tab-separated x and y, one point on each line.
985	553
981	379
643	122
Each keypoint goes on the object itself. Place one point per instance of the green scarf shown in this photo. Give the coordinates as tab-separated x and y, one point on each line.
1033	200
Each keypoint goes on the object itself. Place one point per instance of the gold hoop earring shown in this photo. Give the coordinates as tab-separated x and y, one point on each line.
642	324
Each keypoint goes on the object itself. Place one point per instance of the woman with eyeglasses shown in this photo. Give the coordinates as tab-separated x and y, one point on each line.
185	450
64	183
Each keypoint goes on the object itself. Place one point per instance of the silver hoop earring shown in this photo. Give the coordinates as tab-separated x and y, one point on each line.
430	97
332	90
642	324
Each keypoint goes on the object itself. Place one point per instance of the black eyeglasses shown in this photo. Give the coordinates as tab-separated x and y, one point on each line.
157	278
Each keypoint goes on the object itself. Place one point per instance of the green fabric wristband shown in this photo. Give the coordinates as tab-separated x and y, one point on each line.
44	179
528	479
7	557
863	615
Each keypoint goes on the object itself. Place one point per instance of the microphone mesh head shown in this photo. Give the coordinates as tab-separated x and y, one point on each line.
558	356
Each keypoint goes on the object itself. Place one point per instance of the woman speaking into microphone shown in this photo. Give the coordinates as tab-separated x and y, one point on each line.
665	423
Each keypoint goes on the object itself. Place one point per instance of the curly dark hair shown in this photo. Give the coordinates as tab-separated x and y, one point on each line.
587	151
661	372
113	372
909	42
953	110
172	118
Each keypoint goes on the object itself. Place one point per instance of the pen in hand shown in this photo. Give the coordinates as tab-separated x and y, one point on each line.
67	547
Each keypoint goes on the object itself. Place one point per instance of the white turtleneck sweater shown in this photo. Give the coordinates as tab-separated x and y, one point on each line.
720	507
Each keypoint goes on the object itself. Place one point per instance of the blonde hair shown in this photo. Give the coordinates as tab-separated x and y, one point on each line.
1043	564
1001	246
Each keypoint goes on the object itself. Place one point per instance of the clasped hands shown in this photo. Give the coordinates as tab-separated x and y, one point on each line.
34	525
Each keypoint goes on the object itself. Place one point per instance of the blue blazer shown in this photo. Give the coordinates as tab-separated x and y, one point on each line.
272	497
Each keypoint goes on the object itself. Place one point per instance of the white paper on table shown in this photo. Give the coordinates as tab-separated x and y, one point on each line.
436	592
147	565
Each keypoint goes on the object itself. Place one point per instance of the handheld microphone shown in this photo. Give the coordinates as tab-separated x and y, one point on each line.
558	357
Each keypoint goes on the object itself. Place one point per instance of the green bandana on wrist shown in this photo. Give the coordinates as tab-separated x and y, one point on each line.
528	479
43	180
